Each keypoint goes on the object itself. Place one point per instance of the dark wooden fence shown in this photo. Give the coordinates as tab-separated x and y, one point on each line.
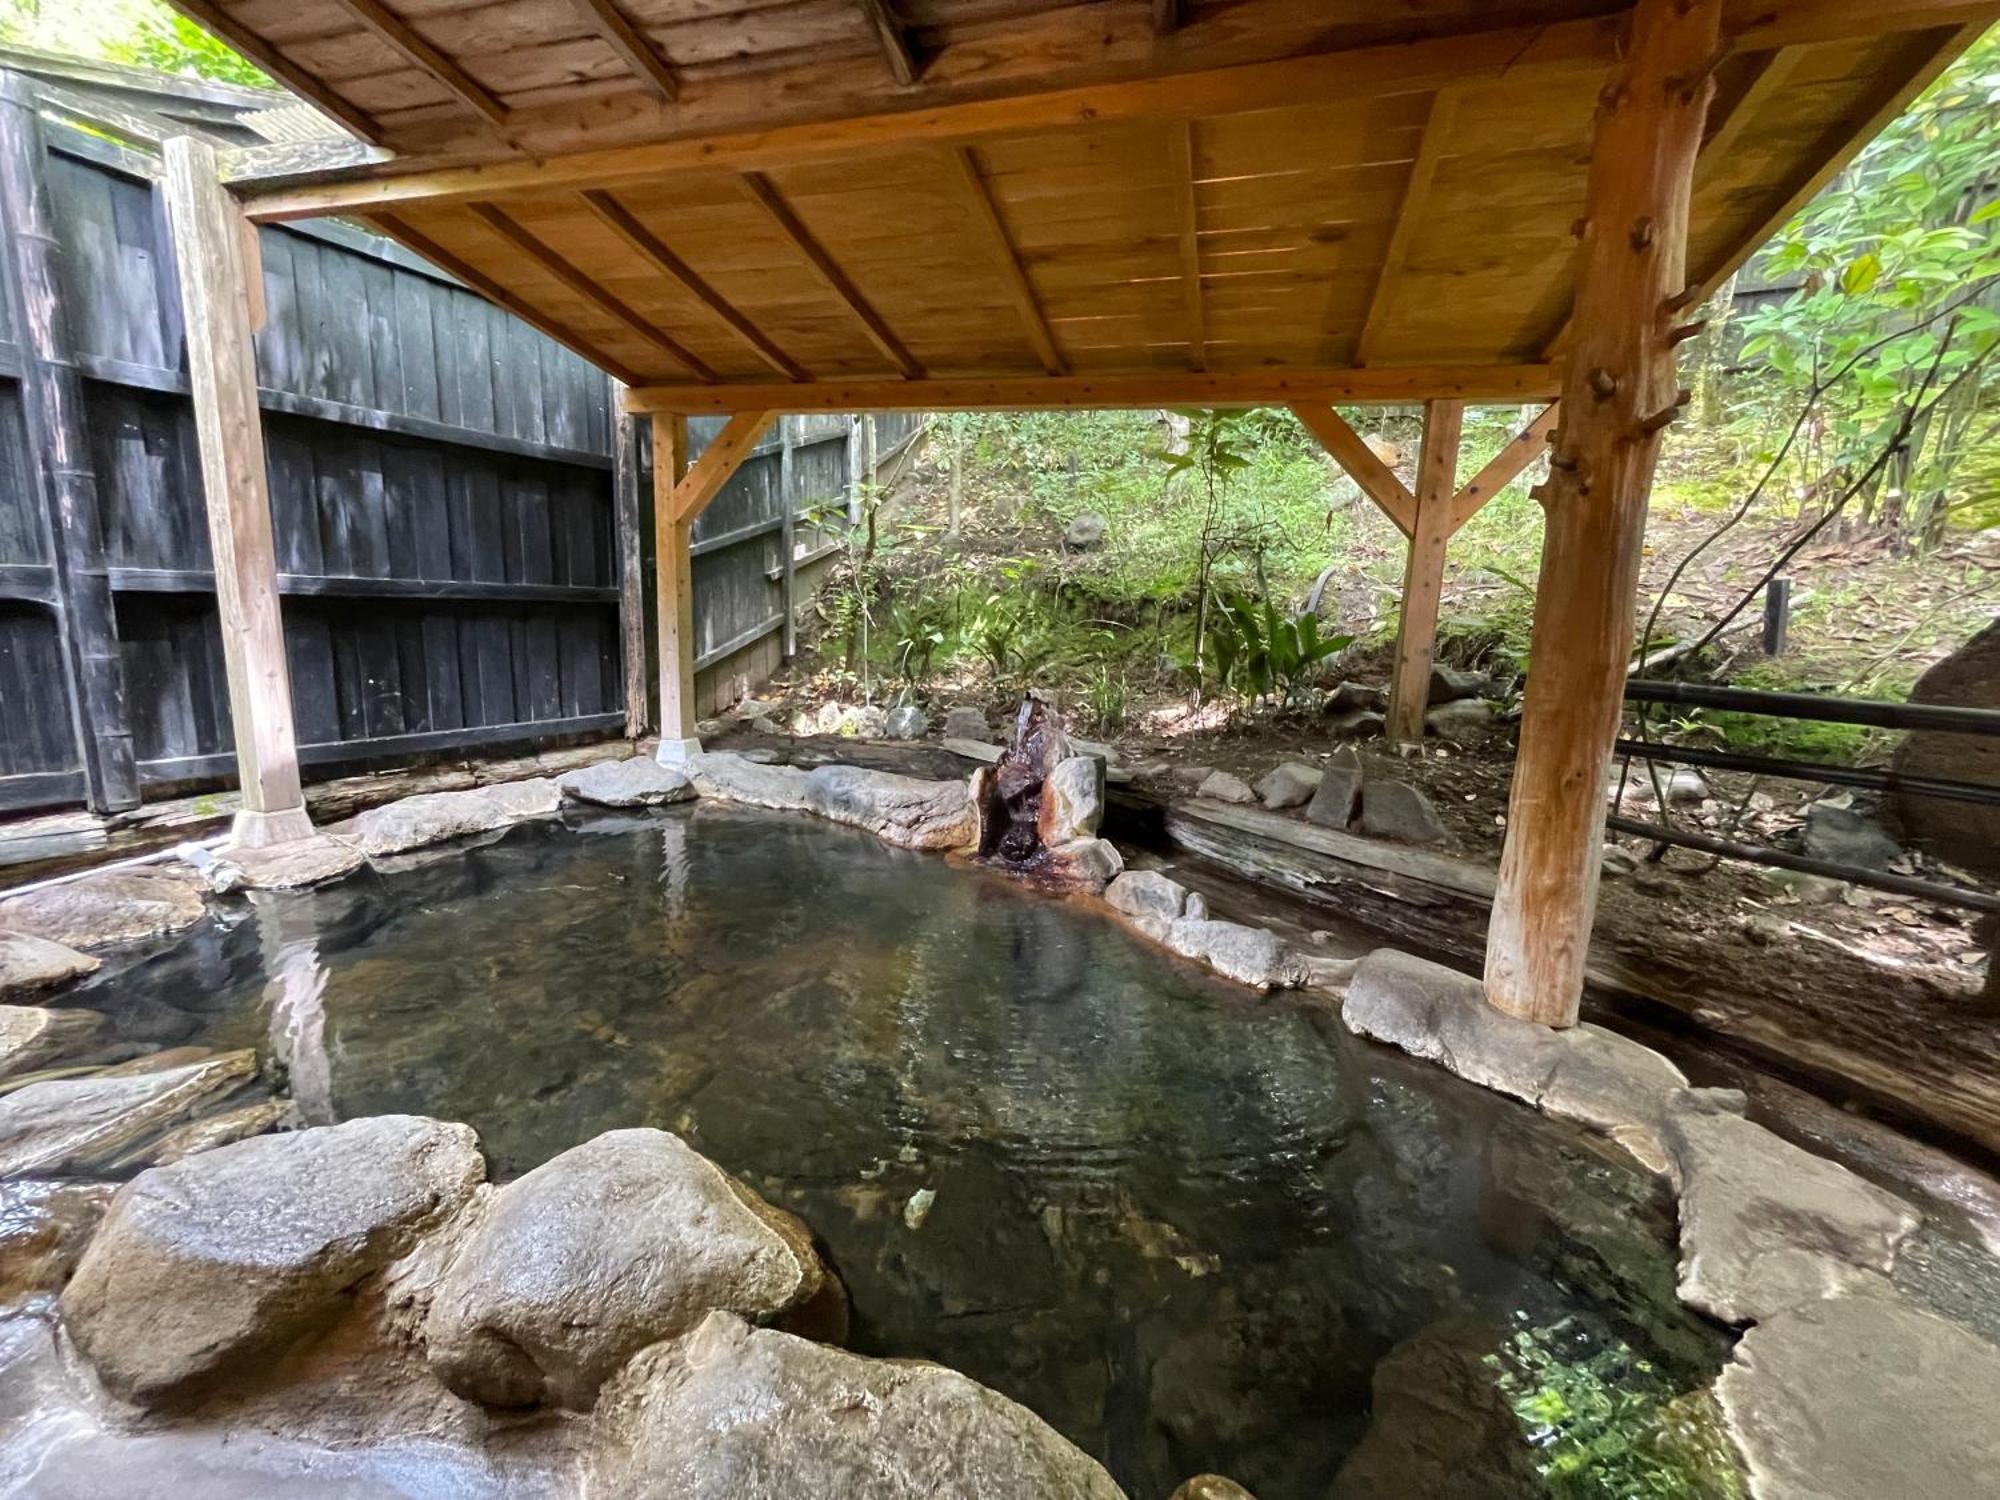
455	558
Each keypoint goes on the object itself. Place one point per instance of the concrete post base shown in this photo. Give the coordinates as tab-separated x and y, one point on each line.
260	830
677	753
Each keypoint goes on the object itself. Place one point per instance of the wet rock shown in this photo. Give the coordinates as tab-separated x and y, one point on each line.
29	964
1859	1398
111	906
864	723
1249	955
1086	532
1965	834
732	1410
1582	1073
963	723
1338	796
1072	800
1210	1487
67	1125
242	1249
1351	697
903	810
732	778
621	1242
1397	810
1084	864
1359	724
433	817
1458	716
638	782
44	1226
220	1130
290	866
1451	685
32	1036
1842	836
1223	787
1765	1225
1288	785
1150	899
907	723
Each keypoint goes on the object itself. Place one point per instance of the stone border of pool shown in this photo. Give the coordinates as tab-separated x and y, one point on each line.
1839	1387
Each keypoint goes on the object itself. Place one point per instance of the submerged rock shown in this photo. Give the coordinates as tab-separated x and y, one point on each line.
1288	785
903	810
432	817
1223	787
220	1130
44	1226
31	1035
1766	1225
732	778
67	1125
1397	810
1860	1398
730	1411
29	963
242	1249
111	906
640	781
289	866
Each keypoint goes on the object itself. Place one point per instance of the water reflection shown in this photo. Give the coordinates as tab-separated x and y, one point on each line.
1193	1229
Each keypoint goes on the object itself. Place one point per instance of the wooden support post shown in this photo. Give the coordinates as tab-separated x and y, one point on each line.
210	248
1618	392
626	519
673	593
59	439
1423	573
788	535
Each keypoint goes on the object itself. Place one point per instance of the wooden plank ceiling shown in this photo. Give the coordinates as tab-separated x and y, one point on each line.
796	203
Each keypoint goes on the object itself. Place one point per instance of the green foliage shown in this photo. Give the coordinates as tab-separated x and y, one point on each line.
139	33
1260	651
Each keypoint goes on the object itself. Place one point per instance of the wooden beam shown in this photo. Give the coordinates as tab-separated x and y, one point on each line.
1168	16
894	40
1504	467
1423	573
625	39
1397	385
1765	74
766	196
1358	461
627	525
222	376
1181	168
1409	214
961	162
650	248
425	58
213	19
673	590
719	461
1618	391
497	220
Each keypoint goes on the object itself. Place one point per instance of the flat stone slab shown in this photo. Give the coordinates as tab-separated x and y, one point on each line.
639	782
1584	1073
433	817
1863	1398
731	1411
1766	1226
1220	786
732	778
239	1250
32	1036
29	964
290	866
902	810
110	906
68	1125
1289	784
628	1239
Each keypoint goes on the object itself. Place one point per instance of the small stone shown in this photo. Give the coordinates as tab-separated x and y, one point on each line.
1358	724
1837	835
1289	784
918	1208
1210	1487
433	817
1072	801
109	906
1352	696
290	866
1338	796
1450	685
31	1036
1397	810
1086	532
29	964
867	722
1458	716
1809	890
907	723
1223	787
640	781
904	810
67	1125
1617	862
829	718
735	778
1687	788
964	723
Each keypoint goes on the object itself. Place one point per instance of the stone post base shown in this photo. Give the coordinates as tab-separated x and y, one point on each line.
678	753
260	830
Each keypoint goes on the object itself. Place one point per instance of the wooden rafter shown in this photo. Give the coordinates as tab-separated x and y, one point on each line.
1409	214
1377	480
1181	145
1767	74
308	86
720	459
422	56
766	196
1505	467
502	224
1168	16
649	247
413	240
960	161
631	45
894	39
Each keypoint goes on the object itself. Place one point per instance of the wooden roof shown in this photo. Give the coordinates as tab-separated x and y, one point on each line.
835	203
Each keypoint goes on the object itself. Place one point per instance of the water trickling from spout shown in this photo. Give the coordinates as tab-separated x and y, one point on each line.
1011	806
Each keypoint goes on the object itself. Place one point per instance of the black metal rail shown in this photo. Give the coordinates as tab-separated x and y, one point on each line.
1867	778
1878	713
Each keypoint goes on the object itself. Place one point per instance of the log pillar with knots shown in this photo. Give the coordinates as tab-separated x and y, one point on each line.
221	283
681	492
1619	392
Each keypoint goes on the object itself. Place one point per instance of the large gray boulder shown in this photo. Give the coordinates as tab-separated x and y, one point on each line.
732	1411
433	817
903	810
31	1035
29	964
110	906
1861	1398
732	778
640	781
1765	1225
290	866
621	1242
242	1249
67	1125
